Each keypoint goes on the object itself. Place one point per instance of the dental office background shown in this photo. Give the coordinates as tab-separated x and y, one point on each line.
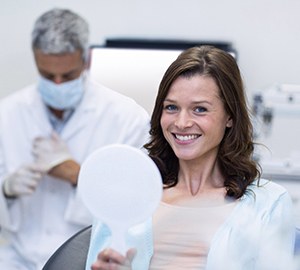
264	33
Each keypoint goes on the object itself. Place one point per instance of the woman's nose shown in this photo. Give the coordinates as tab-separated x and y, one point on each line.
183	120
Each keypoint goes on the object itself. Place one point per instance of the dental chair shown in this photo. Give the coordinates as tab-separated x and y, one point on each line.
72	254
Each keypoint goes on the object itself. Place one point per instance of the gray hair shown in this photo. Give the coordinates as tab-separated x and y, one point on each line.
60	31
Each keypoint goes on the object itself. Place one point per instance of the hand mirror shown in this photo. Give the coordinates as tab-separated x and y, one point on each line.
121	186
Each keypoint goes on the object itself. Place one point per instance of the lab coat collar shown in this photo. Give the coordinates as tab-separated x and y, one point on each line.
82	114
37	110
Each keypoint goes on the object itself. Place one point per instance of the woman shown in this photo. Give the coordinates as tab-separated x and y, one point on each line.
216	212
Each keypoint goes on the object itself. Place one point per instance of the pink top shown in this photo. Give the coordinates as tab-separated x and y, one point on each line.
182	235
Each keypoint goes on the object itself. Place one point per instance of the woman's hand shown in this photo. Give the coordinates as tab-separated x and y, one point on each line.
110	259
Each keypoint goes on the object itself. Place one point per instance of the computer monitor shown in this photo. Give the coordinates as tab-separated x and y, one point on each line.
135	67
131	71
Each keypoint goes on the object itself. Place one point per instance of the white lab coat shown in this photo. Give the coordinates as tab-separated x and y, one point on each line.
35	226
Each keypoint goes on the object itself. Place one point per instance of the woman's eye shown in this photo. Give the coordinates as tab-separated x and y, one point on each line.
200	109
170	107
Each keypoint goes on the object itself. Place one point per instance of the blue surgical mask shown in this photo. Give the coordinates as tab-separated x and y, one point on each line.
61	96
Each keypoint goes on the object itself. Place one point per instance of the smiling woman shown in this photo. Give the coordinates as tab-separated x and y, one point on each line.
194	120
210	80
215	211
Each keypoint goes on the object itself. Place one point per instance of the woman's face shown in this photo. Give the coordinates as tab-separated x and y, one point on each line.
194	120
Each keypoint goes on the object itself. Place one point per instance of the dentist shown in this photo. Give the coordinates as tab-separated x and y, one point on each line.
46	131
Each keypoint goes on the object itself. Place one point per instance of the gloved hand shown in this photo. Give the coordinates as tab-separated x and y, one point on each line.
23	181
50	152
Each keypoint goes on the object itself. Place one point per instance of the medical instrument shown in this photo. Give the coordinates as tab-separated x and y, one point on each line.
277	127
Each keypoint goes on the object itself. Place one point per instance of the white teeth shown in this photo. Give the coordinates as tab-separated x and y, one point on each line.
186	137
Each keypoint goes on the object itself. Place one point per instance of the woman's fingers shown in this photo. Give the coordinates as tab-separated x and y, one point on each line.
110	259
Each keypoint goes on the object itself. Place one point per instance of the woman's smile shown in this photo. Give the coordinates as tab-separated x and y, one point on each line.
186	137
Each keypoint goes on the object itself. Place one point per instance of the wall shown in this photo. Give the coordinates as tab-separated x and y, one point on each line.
265	33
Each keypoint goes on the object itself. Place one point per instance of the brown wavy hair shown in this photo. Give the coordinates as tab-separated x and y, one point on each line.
235	154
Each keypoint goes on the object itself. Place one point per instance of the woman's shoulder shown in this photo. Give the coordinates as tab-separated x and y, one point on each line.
265	186
265	193
262	200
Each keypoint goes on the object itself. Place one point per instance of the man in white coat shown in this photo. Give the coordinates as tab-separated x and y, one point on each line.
46	132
